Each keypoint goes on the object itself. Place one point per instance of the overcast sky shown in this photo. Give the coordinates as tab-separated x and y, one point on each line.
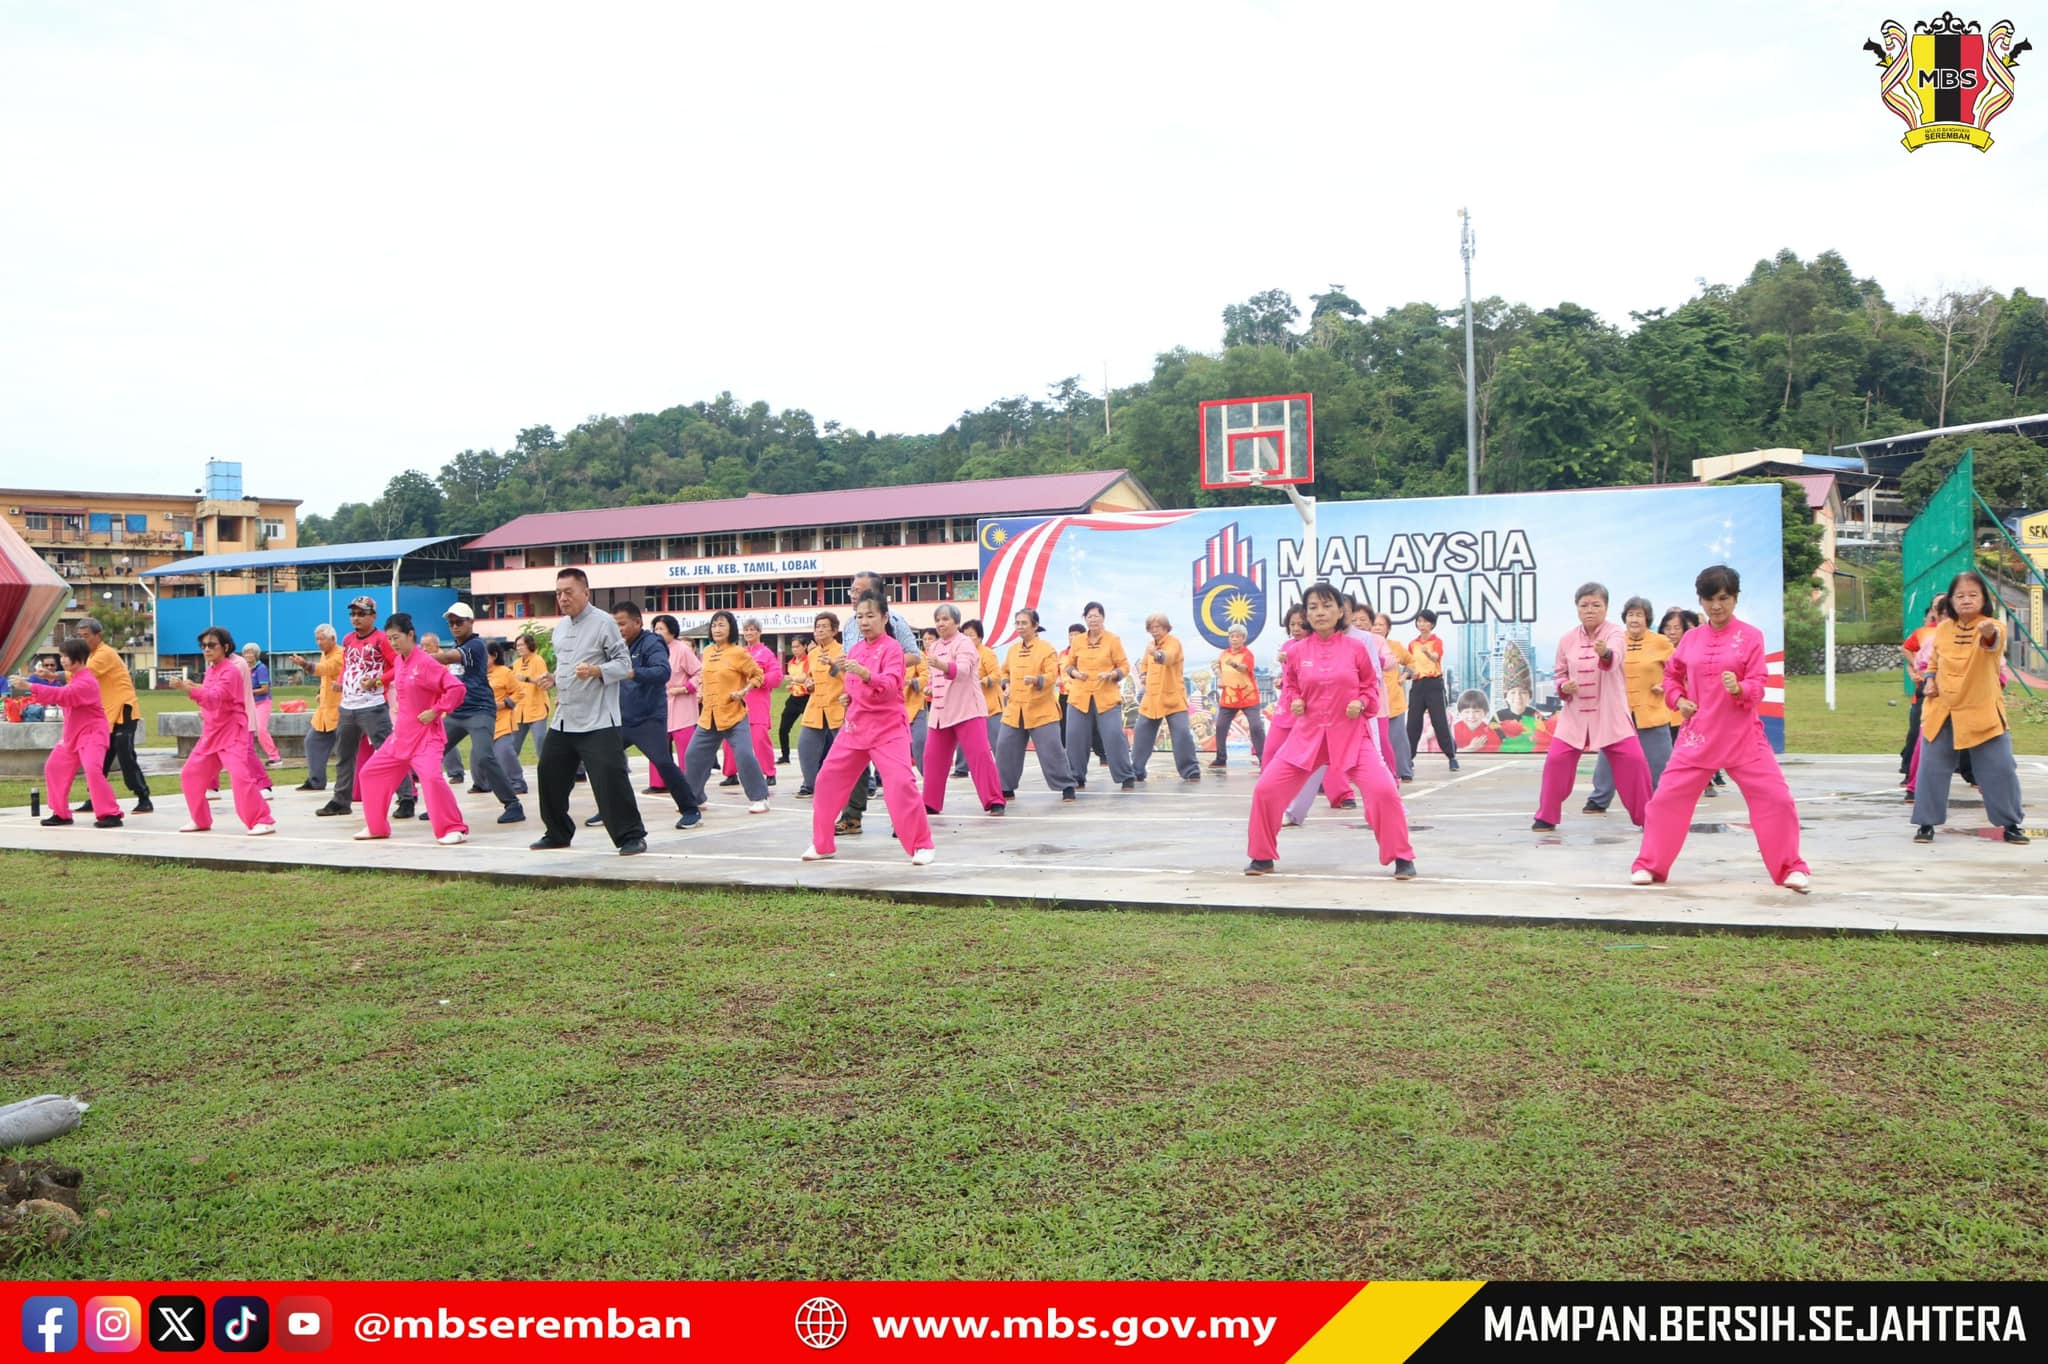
338	241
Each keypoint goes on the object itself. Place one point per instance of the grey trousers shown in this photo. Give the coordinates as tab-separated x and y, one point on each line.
1255	721
811	747
1998	778
319	748
1187	759
507	751
918	729
372	723
1052	756
702	756
481	730
1404	756
1656	742
1106	725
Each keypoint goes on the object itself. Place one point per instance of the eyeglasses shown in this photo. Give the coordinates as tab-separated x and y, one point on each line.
211	644
356	611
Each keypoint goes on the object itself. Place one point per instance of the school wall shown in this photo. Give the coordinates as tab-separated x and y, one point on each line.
283	622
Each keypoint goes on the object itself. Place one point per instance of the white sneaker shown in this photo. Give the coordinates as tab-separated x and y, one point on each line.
257	831
452	837
1798	881
213	795
364	835
759	807
811	854
924	857
192	829
1640	877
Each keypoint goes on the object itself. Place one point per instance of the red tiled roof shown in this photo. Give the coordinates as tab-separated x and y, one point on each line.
1816	485
1036	493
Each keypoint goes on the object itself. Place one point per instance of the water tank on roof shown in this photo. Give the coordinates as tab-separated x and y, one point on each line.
223	480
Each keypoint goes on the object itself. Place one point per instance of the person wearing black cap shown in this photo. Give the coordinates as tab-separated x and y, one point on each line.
477	717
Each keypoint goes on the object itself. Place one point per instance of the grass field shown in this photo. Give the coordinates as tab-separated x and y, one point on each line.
312	1074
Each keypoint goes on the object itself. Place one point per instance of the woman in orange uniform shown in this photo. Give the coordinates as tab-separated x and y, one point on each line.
825	713
1964	712
729	675
1032	714
1164	701
1096	669
1394	724
917	688
1642	671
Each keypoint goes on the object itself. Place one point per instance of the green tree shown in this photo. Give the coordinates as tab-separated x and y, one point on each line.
1263	319
1562	424
2009	470
1686	372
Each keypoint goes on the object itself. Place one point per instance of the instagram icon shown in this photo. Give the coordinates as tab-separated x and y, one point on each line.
113	1325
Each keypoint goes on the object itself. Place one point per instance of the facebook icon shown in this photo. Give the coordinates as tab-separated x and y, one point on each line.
49	1326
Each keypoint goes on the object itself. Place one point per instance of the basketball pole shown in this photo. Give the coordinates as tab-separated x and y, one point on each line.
1467	244
1306	507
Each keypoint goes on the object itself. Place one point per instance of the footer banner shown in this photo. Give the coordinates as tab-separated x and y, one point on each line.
762	1322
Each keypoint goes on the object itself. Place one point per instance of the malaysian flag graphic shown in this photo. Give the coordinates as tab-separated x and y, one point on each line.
1014	573
1230	588
1229	554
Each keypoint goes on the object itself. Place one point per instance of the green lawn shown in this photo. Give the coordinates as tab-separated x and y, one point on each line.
1870	716
312	1074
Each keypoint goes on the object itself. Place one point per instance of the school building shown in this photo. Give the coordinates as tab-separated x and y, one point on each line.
777	558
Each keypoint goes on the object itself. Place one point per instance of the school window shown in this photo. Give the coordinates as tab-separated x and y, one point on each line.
575	555
838	537
611	552
797	541
721	546
760	596
683	547
38	521
683	598
882	534
838	591
725	597
964	528
927	587
652	601
928	532
644	550
760	542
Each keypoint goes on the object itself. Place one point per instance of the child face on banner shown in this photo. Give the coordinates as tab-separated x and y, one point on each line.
1518	700
1472	717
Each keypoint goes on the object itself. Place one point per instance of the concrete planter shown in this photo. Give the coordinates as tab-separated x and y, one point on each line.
25	748
288	730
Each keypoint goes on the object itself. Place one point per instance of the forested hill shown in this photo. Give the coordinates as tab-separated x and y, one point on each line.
1801	354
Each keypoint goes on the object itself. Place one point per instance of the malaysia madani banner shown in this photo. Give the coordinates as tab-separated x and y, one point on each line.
1499	572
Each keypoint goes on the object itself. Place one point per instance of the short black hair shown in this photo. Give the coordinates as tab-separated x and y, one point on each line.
399	620
732	626
496	649
1425	614
1713	581
675	627
77	650
1335	597
1094	606
1028	611
974	627
1472	700
220	633
872	598
578	574
629	609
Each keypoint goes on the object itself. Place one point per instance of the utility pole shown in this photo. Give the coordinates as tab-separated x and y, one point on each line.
1105	400
1467	244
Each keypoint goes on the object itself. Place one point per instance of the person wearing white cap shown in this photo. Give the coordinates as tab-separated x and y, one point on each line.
477	717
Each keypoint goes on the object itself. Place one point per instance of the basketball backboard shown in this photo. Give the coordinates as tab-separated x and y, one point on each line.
1256	442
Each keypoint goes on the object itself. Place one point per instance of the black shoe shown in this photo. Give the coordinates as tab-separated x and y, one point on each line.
1454	764
1259	866
2013	833
53	822
330	808
930	813
143	807
582	777
308	786
1081	785
1009	795
547	843
593	821
1924	834
652	791
1219	764
804	793
633	847
423	816
690	819
1131	784
771	781
1589	808
1140	776
848	827
1542	826
405	809
479	790
1348	803
1067	794
782	761
1404	870
1720	779
114	822
997	809
515	813
730	781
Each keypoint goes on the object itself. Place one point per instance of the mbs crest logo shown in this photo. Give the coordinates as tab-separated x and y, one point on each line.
1947	79
1230	589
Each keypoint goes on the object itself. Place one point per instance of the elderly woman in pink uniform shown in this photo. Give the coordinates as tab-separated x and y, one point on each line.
683	667
1715	681
876	731
226	739
423	694
1334	684
84	745
959	716
1595	716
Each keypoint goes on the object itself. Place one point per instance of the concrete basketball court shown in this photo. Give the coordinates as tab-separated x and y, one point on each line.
1171	846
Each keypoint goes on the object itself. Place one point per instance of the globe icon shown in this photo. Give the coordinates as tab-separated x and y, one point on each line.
821	1323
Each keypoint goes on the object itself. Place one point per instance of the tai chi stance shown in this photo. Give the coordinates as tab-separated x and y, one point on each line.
424	693
876	731
1595	715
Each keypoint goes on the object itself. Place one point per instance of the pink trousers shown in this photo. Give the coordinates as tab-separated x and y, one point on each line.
847	763
764	751
1561	769
86	751
679	739
1281	778
1772	815
233	753
420	753
263	730
971	738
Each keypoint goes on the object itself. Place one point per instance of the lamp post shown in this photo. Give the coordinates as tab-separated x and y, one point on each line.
1467	244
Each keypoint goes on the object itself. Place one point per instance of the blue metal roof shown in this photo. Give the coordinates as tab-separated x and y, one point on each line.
307	556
